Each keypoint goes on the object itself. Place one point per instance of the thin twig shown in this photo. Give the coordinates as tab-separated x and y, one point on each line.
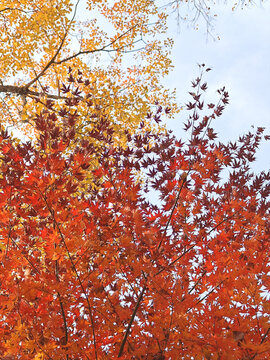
104	48
29	261
172	211
131	322
52	61
174	261
205	296
262	341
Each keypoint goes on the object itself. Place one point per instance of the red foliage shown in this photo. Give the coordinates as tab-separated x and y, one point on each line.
91	269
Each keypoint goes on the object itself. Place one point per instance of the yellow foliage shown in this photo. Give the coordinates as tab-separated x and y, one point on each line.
113	43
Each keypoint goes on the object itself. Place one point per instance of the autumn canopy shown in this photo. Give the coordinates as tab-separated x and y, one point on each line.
117	239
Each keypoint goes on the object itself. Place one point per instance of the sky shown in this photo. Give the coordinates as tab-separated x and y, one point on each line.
240	61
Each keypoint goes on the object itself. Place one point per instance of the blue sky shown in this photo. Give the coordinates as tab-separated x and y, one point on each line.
240	61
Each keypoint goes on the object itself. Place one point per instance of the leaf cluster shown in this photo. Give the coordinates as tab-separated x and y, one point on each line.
95	270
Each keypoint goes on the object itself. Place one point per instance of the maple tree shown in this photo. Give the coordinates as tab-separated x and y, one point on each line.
103	272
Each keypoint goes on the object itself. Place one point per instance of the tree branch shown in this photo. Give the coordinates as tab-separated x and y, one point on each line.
174	261
205	296
24	91
76	273
52	61
26	258
131	322
104	48
173	208
16	9
262	341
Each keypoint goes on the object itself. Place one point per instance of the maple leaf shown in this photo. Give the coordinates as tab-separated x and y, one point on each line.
90	265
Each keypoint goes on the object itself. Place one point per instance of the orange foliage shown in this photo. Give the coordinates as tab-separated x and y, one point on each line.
103	273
